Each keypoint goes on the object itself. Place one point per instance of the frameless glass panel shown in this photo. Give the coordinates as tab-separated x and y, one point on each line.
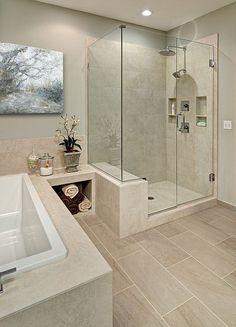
195	120
104	104
149	115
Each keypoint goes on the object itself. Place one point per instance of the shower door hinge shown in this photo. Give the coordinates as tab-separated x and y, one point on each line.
212	63
88	66
212	177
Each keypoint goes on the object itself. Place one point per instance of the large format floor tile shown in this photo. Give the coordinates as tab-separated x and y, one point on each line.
160	247
117	247
131	309
192	314
229	246
210	256
207	232
92	220
171	229
171	271
226	212
225	224
231	279
209	215
160	288
120	280
211	290
88	231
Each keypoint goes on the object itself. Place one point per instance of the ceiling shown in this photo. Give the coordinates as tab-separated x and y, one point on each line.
167	14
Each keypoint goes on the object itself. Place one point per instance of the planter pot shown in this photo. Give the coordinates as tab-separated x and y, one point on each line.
71	161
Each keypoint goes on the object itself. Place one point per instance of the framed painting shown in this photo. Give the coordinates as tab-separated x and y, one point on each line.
31	80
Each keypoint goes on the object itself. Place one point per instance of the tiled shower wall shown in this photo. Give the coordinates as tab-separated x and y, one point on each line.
194	150
144	112
144	121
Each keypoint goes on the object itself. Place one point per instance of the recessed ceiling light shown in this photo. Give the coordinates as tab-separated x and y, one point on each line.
146	12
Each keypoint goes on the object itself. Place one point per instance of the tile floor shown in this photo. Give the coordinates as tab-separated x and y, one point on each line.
181	274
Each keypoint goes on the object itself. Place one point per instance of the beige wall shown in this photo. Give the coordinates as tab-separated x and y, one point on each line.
36	24
222	21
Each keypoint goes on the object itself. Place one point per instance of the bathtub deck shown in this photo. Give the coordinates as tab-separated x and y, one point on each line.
84	270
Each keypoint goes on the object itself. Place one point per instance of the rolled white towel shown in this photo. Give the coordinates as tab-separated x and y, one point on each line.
85	205
70	190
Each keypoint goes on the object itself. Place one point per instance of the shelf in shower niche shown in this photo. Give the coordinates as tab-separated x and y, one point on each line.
172	109
201	111
201	106
172	105
201	121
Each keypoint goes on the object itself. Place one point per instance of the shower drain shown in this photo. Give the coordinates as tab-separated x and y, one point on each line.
151	198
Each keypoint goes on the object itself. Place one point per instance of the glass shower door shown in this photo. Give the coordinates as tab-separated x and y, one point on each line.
148	133
195	121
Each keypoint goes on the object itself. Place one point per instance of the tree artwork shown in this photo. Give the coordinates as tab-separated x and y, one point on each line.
31	80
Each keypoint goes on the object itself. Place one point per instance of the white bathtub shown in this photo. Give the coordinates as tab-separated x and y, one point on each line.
28	238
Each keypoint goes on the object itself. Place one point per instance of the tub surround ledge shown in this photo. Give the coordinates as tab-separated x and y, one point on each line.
82	272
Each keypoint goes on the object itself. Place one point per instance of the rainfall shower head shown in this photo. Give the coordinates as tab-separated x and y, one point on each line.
179	73
167	52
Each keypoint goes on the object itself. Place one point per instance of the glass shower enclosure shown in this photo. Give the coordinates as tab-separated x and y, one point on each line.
150	113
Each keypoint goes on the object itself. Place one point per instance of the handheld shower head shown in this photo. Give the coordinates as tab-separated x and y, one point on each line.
179	73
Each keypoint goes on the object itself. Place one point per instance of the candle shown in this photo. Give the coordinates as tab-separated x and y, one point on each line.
45	171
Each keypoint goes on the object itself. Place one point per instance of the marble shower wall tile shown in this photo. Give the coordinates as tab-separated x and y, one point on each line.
14	153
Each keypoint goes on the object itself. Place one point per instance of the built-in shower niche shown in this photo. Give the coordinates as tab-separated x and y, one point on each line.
172	110
201	111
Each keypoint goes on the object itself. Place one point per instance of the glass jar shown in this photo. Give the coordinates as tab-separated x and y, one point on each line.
33	162
46	165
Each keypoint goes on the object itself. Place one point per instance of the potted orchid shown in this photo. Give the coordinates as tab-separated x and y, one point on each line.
66	136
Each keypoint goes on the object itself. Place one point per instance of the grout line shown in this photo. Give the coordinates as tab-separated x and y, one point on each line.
207	241
202	264
178	306
123	290
223	240
186	288
111	255
129	277
128	255
171	238
225	216
229	273
166	268
213	272
174	264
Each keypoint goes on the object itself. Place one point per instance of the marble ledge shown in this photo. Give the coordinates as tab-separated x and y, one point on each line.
82	265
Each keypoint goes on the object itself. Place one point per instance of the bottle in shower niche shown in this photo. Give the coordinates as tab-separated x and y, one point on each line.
46	165
33	162
173	108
